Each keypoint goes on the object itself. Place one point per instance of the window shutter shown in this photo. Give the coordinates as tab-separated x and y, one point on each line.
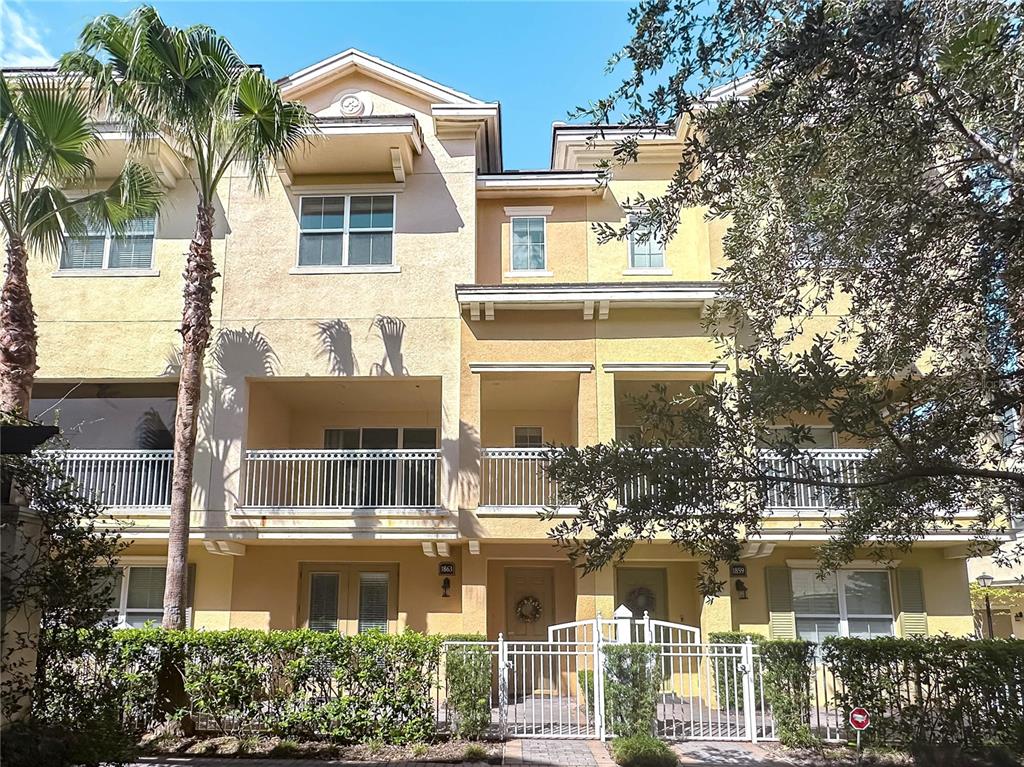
781	618
323	602
913	619
373	601
190	594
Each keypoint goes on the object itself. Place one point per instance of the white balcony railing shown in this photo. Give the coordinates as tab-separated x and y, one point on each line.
122	478
517	477
839	465
341	478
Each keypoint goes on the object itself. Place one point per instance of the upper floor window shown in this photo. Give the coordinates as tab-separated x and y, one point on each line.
349	230
645	250
102	249
853	603
528	243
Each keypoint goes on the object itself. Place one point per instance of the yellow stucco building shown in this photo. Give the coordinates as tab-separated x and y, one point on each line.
401	324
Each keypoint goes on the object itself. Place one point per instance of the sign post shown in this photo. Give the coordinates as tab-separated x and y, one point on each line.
860	719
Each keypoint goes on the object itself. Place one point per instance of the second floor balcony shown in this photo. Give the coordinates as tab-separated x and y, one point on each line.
353	479
516	477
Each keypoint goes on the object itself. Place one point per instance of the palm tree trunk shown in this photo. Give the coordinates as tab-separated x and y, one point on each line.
18	337
195	335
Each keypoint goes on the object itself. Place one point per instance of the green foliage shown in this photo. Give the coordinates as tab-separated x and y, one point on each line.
468	675
728	688
298	684
642	751
896	237
631	686
934	691
474	753
58	567
787	677
585	680
46	142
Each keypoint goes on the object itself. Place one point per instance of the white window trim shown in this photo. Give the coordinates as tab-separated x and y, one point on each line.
344	267
631	268
105	270
842	576
512	271
124	566
522	426
635	271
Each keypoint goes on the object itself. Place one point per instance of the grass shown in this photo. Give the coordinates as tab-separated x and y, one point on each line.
642	751
475	753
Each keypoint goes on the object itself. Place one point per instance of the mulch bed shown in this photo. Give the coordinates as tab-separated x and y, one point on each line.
262	747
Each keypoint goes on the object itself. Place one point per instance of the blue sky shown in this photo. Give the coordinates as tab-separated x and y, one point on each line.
539	59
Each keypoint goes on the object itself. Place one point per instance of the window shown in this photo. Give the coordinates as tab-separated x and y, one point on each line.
853	603
528	243
102	249
645	250
323	601
137	595
347	598
373	601
351	230
529	436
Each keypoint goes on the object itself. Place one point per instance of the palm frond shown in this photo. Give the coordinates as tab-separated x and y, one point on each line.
58	128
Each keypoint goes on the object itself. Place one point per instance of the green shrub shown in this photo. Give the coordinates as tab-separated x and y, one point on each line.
585	680
468	674
786	676
727	688
933	692
631	688
642	751
475	753
296	684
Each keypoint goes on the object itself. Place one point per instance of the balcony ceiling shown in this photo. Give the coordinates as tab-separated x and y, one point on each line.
366	146
528	391
113	151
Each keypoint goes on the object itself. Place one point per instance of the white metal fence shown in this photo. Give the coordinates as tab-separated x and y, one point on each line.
518	477
558	688
122	478
341	478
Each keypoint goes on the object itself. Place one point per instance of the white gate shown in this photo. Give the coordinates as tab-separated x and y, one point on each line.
557	688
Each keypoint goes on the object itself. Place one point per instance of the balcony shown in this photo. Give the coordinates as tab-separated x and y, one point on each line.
122	479
517	478
350	479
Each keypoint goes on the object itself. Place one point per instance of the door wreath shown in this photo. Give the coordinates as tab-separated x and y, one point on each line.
529	609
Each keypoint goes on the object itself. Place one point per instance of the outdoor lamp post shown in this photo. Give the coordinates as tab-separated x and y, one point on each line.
985	581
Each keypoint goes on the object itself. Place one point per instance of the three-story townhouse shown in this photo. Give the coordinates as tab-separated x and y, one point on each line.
401	326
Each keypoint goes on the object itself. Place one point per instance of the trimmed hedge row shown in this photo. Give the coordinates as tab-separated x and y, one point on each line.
296	684
939	691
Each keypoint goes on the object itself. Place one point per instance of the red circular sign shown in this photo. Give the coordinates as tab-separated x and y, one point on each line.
860	718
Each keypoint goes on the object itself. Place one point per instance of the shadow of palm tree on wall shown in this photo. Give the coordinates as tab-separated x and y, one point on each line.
235	355
335	339
463	480
392	333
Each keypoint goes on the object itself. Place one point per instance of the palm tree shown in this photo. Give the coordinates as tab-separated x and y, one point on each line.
191	86
46	137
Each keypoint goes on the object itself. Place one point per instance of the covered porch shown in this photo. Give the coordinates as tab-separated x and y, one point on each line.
358	443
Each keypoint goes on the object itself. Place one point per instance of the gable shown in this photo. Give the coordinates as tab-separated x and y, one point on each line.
330	71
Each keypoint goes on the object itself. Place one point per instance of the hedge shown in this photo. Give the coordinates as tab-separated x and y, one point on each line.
935	691
296	684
